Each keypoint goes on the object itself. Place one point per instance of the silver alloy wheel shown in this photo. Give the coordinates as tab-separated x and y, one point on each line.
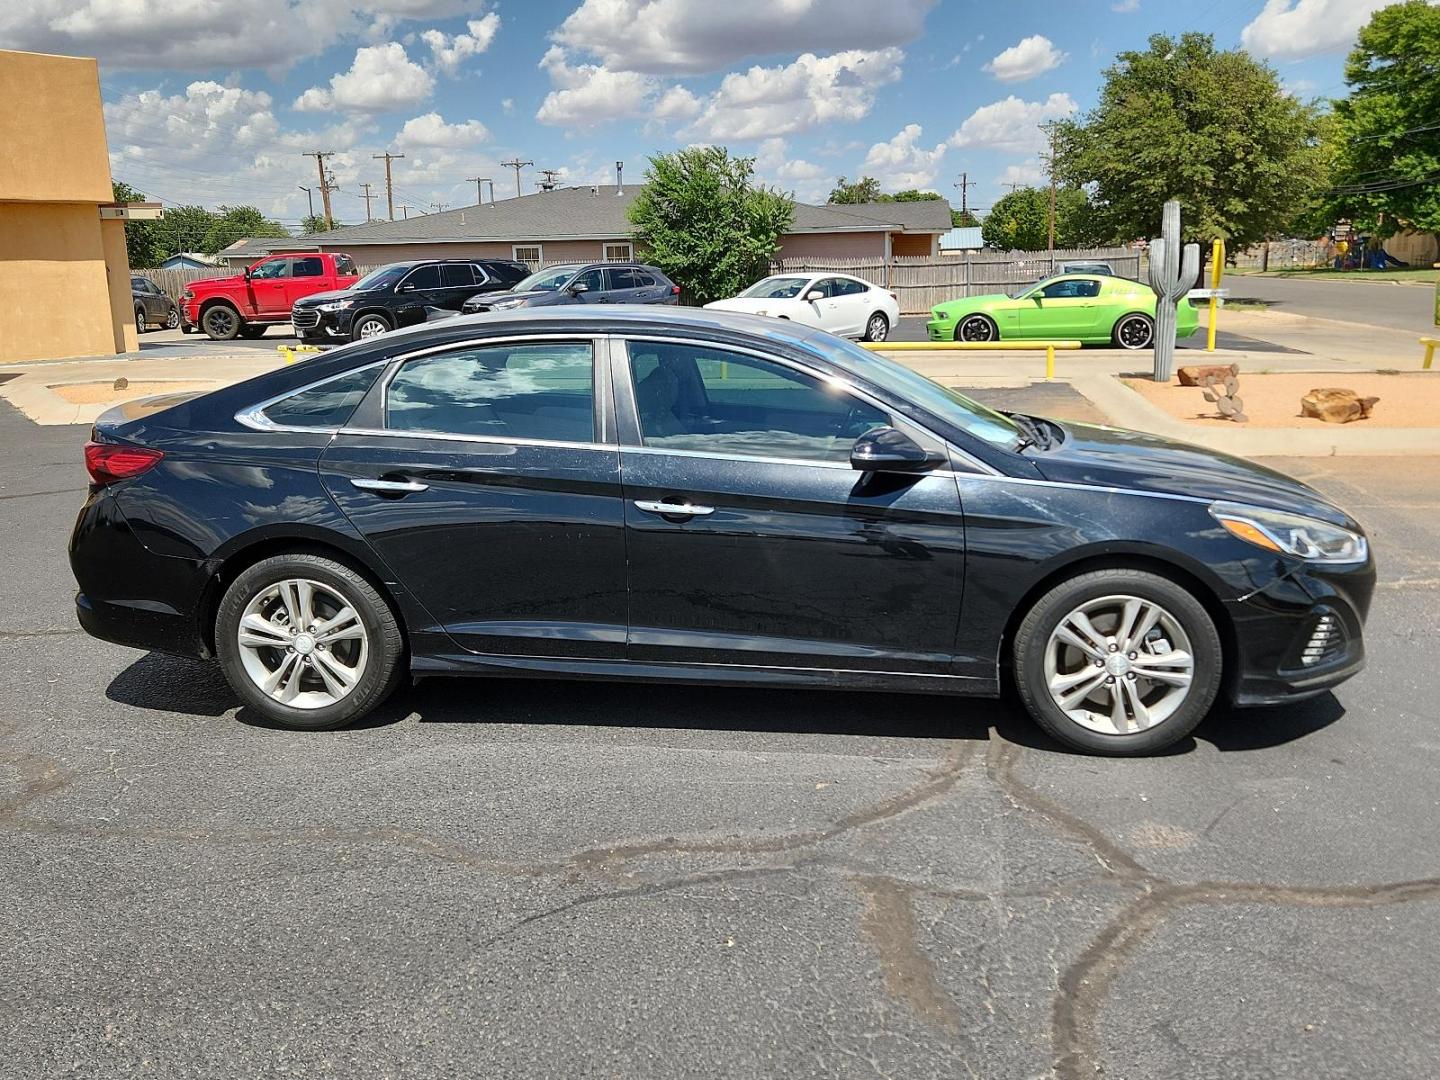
139	321
1134	332
1119	665
172	320
370	327
302	643
975	328
879	328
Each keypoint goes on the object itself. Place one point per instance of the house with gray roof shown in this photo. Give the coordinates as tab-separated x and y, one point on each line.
589	224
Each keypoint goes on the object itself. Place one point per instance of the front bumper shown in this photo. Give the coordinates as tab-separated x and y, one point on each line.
941	329
311	322
1301	634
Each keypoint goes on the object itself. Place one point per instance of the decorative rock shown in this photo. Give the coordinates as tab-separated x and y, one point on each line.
1335	405
1194	374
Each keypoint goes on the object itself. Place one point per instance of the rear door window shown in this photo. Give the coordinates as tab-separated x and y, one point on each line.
311	267
540	390
457	275
622	277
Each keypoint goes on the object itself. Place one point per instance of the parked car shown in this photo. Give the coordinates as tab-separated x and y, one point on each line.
400	294
1087	268
844	306
244	305
582	283
1091	308
698	497
153	306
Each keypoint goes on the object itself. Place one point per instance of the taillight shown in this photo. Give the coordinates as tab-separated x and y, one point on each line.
674	290
109	462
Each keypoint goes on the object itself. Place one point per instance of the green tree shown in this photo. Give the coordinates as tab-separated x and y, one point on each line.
234	223
185	228
315	223
1386	142
1020	221
1214	130
866	189
702	220
963	219
144	245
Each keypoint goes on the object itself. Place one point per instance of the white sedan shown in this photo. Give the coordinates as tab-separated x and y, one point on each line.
845	306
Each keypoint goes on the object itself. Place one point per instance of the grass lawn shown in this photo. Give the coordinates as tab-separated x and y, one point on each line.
1350	275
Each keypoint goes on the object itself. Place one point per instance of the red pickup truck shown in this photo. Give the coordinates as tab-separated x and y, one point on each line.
244	305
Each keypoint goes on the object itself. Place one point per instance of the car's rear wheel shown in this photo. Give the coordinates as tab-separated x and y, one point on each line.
308	642
976	328
369	326
1134	332
221	322
878	328
1119	662
172	320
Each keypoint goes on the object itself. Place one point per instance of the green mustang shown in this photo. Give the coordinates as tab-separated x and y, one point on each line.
1093	308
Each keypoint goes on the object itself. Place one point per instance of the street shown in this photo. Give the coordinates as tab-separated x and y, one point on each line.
1400	306
548	879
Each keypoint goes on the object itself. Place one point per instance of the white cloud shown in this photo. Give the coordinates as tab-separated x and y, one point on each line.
901	163
777	166
382	77
768	101
450	52
693	36
677	103
507	104
1032	56
592	93
1027	173
1012	124
1125	7
432	130
1293	29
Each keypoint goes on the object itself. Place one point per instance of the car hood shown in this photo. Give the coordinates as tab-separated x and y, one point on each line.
751	305
1113	457
324	297
490	299
972	303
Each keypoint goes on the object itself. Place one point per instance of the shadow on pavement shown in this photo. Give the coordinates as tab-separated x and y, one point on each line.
194	688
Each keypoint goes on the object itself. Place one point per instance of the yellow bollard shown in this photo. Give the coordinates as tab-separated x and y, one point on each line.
1217	266
1049	362
1429	343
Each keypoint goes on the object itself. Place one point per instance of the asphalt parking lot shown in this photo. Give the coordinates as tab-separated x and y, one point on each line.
532	879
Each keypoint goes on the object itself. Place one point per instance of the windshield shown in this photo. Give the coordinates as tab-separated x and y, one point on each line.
949	405
777	288
547	280
379	279
1025	290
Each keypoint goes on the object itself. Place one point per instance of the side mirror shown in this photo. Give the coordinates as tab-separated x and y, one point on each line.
886	449
407	288
578	288
814	294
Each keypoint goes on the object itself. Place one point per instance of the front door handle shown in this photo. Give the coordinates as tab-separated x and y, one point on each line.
390	487
667	509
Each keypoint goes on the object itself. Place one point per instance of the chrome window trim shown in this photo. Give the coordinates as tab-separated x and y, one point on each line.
845	385
759	460
415	270
399	362
253	416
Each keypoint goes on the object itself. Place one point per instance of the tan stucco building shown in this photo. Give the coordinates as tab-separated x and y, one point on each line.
63	269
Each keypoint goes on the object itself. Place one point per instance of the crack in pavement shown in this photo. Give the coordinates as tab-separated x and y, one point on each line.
908	971
46	631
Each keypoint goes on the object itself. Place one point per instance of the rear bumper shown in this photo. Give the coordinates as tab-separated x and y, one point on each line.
148	628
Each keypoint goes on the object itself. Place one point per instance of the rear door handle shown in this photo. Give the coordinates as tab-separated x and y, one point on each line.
666	509
390	487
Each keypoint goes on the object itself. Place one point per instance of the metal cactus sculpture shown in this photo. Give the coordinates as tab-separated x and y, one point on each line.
1172	275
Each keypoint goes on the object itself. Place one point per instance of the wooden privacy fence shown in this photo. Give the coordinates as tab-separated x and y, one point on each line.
920	282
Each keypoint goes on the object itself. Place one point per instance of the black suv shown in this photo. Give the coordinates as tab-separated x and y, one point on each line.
582	283
153	305
400	294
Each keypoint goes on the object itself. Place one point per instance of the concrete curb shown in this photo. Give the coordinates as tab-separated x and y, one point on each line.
1128	409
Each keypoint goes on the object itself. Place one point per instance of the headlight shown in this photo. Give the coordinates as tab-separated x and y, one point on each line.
1291	534
187	295
501	305
941	315
335	305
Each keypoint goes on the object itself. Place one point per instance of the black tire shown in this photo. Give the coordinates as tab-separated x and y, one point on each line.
186	328
1133	332
221	322
877	327
976	328
1041	622
383	671
139	320
172	319
358	327
250	330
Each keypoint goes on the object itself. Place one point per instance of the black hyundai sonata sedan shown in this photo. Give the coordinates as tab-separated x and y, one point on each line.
696	497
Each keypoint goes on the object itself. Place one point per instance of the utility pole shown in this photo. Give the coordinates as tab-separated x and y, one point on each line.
517	165
327	182
309	196
965	185
406	211
438	207
367	197
548	184
1050	129
479	195
389	187
1014	186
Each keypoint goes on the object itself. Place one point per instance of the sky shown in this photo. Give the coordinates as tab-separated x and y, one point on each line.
216	101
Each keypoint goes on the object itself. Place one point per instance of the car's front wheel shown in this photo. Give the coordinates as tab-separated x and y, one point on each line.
308	642
139	320
976	328
369	326
221	322
172	320
1118	661
1134	332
